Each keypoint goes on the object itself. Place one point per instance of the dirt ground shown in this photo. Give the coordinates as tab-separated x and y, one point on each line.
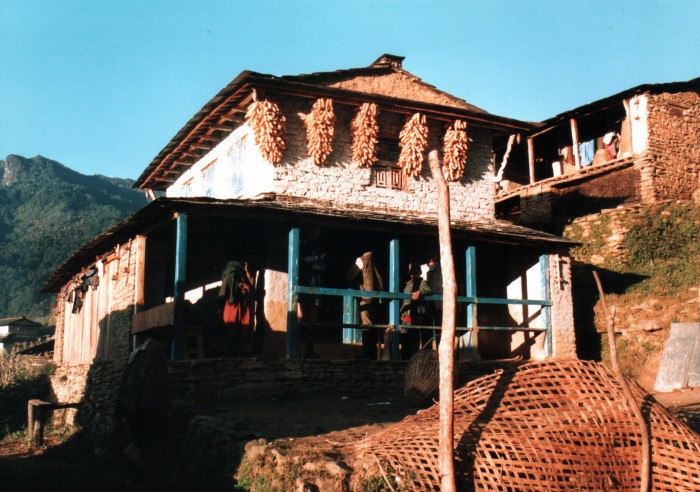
310	424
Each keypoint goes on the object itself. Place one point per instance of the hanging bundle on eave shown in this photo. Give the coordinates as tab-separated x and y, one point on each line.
320	123
413	140
268	125
364	135
454	151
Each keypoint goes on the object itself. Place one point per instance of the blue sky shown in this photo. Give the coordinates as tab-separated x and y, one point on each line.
103	86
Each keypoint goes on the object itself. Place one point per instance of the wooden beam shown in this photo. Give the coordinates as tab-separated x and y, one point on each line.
221	128
292	294
200	146
140	278
210	138
178	345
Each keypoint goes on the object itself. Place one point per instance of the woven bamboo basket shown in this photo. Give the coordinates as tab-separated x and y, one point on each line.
554	426
422	378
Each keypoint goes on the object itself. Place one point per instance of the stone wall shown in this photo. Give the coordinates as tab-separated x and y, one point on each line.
342	182
674	144
95	384
562	311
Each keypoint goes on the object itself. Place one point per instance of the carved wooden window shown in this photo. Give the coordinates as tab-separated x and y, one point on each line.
387	174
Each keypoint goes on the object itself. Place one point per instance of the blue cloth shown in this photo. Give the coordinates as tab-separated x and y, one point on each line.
587	151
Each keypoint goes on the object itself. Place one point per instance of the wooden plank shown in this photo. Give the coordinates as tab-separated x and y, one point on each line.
178	345
140	279
155	317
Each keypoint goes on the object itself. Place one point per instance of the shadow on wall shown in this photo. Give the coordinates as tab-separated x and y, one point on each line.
585	297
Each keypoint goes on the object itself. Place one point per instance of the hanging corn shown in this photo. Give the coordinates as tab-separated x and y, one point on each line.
268	125
413	140
320	123
364	135
454	151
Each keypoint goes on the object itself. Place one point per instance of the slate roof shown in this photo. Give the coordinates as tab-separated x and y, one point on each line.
403	92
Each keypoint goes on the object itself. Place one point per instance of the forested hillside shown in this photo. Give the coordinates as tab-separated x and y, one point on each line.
47	211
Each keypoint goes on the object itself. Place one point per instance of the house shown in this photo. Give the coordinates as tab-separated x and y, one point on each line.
257	173
18	330
639	146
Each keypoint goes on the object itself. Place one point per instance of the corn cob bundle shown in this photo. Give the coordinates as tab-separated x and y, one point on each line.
413	140
454	150
364	138
319	131
267	123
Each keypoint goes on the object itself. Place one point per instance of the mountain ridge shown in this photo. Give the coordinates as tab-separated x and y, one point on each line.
47	211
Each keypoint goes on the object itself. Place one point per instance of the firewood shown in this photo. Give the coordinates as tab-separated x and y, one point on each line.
364	139
268	125
320	129
454	151
413	140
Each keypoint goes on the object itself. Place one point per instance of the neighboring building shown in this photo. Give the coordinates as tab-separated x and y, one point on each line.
232	194
14	331
641	145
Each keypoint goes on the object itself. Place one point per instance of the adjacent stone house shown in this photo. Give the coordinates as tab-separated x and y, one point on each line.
17	331
261	169
639	146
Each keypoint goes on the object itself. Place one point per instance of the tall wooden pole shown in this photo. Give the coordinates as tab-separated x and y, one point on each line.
645	467
446	348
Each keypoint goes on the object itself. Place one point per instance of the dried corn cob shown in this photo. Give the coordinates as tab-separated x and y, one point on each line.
364	138
268	125
320	123
413	140
454	151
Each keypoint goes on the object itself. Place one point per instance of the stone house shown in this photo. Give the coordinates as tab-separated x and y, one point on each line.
263	166
17	330
639	146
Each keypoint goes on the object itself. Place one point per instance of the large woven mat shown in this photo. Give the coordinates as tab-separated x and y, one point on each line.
561	425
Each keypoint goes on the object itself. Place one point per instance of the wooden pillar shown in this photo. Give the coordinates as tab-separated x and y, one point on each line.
574	139
472	348
178	345
395	304
531	158
293	294
546	321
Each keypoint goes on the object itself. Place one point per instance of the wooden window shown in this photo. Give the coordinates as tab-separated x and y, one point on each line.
387	174
209	178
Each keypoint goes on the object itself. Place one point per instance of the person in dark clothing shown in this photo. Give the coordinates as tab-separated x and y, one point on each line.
235	300
312	273
144	405
413	311
365	276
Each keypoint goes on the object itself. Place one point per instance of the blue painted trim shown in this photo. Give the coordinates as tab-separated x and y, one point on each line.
350	335
293	294
471	348
395	304
546	319
177	348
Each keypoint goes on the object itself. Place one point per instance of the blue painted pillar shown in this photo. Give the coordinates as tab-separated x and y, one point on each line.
472	346
350	335
546	321
178	344
395	304
293	294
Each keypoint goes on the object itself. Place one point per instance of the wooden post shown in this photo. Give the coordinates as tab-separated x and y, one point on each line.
574	139
178	345
447	345
531	158
645	467
139	280
394	304
293	294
